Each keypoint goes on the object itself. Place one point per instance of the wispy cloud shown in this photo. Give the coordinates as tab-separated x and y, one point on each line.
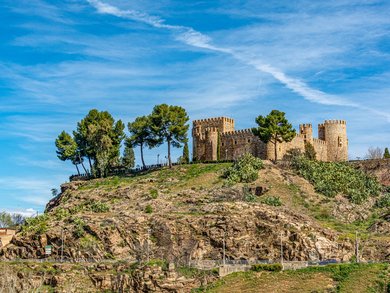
194	38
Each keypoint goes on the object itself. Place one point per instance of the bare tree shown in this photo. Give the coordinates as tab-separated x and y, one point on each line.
374	153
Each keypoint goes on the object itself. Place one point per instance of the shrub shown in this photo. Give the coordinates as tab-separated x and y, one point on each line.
384	201
244	170
148	209
274	201
98	207
79	227
153	193
331	178
277	267
36	225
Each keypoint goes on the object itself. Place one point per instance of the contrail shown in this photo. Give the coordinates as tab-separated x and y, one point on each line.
194	38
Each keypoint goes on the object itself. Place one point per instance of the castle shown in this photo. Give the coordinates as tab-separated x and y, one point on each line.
215	139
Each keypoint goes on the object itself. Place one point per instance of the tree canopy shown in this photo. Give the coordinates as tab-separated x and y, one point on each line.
169	124
274	128
386	154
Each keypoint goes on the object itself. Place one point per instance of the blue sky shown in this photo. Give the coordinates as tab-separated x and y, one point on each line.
315	60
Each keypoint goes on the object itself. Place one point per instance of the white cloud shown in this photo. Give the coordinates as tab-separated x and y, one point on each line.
28	212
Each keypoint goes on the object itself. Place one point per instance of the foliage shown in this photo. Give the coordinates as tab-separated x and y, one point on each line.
274	128
36	225
67	148
148	209
277	267
386	154
99	138
169	124
153	193
310	152
141	135
186	153
245	169
384	201
274	201
8	220
98	207
78	227
128	159
331	178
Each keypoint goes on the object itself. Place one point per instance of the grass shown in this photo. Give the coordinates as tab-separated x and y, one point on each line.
332	278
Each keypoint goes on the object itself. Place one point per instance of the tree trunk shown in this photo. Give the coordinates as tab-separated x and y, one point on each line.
169	154
276	150
78	171
142	156
90	164
82	164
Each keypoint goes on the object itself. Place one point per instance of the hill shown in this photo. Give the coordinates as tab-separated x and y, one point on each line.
187	215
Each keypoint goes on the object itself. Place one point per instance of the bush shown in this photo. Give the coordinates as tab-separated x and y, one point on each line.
79	227
277	267
98	207
244	170
148	209
274	201
332	178
153	193
36	225
384	201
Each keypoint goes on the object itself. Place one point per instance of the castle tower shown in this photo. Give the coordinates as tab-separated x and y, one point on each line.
205	136
334	132
307	131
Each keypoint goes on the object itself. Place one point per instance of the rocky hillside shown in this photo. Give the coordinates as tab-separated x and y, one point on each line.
186	214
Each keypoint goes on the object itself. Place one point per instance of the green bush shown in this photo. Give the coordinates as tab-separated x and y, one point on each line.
36	225
332	178
98	207
244	170
384	201
153	193
79	227
148	209
277	267
274	201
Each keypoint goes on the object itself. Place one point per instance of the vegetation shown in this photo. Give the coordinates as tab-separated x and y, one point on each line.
274	128
277	267
274	201
141	135
384	201
332	178
153	193
8	220
374	153
186	154
245	169
36	225
128	159
148	209
169	124
310	152
386	154
67	149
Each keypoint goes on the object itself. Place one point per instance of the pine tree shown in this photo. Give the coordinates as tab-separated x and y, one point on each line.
274	128
67	149
186	154
386	155
128	159
169	123
141	135
310	152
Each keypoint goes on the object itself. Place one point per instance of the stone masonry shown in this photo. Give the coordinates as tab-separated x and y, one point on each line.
215	139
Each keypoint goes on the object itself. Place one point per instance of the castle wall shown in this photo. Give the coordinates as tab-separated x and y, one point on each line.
298	142
321	149
236	143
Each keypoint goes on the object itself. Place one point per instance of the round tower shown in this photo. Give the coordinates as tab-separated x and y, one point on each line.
307	131
336	139
211	143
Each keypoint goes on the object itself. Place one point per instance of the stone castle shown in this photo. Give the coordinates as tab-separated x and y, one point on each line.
216	139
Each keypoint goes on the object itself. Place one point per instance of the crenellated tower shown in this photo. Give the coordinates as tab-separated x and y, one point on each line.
334	133
307	131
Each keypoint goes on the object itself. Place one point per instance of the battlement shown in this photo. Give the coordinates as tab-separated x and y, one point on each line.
306	125
335	122
319	141
300	135
211	129
237	132
210	120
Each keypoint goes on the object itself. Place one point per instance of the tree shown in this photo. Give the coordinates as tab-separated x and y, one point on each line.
54	192
310	152
169	123
374	153
128	159
386	155
99	138
186	154
5	220
141	135
274	128
67	148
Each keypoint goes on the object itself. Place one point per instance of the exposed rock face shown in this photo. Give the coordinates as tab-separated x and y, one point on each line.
69	278
378	168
